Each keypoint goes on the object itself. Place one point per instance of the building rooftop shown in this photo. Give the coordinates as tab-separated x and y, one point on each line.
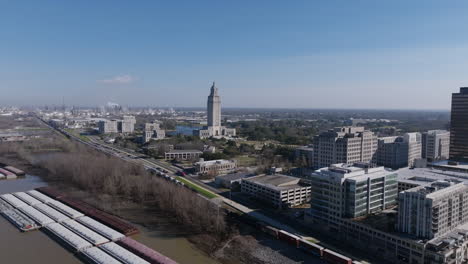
209	162
426	176
234	176
357	171
184	151
277	181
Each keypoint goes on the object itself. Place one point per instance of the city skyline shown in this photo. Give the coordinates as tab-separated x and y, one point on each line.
303	55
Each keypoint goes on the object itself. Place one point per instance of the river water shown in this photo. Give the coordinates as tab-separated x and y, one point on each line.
36	247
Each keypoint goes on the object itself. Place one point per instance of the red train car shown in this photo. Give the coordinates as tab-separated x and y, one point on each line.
144	252
334	258
288	238
310	247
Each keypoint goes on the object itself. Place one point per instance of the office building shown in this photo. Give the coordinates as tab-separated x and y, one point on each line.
183	154
398	152
108	126
214	128
278	190
435	145
344	145
305	155
459	126
215	167
127	125
433	210
153	131
350	191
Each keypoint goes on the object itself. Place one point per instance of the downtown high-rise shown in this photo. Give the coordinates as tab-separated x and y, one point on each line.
459	126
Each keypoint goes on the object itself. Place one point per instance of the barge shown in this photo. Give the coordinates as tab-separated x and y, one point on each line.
51	212
40	196
26	198
5	206
65	209
72	240
8	174
96	255
40	218
100	228
144	252
15	202
14	170
86	233
20	220
122	254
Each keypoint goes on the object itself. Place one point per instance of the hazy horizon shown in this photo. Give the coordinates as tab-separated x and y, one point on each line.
395	55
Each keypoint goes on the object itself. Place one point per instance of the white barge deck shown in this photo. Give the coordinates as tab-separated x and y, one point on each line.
98	256
40	196
27	198
51	212
11	199
33	213
122	254
20	220
100	228
65	209
71	239
86	233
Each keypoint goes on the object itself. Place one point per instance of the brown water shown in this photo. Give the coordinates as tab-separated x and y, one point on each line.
36	247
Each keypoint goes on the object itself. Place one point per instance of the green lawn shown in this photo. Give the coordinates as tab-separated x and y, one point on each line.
199	189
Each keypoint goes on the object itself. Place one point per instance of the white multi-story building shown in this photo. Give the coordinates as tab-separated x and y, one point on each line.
436	145
127	125
344	145
108	126
153	131
433	210
277	190
399	152
350	191
215	167
214	128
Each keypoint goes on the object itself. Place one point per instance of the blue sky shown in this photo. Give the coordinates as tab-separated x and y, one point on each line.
280	54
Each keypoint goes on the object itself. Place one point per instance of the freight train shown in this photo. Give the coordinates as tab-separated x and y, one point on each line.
329	256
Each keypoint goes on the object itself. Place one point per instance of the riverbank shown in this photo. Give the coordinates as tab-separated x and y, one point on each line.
174	239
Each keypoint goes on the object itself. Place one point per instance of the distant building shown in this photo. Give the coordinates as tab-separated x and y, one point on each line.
435	145
228	180
127	125
153	131
350	191
108	126
215	167
399	152
431	211
214	128
182	154
459	126
306	154
344	145
278	190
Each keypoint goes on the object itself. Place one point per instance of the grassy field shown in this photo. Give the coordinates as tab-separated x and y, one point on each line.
245	161
199	189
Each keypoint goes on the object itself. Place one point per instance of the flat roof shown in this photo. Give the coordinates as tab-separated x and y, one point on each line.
277	181
426	176
184	151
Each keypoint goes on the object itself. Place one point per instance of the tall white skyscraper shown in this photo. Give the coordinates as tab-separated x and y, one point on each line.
214	128
214	107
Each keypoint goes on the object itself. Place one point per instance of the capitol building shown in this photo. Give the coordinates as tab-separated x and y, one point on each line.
214	128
